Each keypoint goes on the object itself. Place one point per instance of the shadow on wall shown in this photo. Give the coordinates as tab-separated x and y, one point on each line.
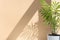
43	30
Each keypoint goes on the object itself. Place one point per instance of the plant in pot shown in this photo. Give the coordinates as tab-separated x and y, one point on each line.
51	15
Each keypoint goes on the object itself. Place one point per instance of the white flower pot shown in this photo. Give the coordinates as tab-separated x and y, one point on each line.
53	37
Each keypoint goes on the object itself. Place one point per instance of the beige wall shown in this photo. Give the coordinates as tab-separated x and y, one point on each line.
11	11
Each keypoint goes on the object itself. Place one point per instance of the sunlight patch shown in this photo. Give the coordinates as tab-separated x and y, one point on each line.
30	32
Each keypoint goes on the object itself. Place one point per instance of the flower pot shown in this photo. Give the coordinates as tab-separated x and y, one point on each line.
53	37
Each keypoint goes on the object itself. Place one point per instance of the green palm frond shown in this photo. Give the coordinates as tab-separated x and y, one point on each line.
51	13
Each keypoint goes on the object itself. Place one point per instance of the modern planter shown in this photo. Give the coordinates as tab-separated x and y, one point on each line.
53	37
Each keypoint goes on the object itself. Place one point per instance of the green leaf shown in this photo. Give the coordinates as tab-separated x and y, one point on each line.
58	7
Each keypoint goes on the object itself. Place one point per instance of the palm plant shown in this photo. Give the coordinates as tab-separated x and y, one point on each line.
51	14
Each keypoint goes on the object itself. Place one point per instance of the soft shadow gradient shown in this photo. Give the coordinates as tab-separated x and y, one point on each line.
43	30
24	20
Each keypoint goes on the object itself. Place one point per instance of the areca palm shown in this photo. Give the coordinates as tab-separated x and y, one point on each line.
51	14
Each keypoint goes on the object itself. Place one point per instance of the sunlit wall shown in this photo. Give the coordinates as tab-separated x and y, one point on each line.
12	11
